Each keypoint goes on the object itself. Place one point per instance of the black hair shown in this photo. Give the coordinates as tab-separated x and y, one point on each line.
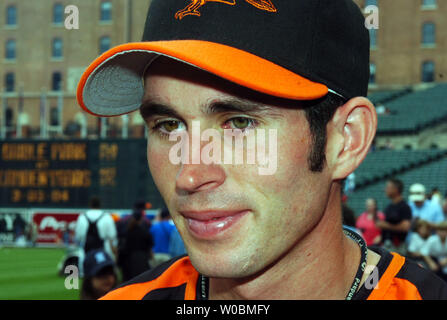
398	184
319	113
88	292
95	203
165	214
140	205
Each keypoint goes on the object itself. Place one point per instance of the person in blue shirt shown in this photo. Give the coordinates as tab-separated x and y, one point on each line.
176	244
423	208
161	233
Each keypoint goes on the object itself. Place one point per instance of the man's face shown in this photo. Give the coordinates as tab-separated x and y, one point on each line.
424	231
419	204
266	214
442	233
391	190
370	205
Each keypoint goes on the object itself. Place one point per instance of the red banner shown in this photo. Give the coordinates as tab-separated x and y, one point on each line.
55	227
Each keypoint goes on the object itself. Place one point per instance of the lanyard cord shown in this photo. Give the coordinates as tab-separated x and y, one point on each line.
364	255
204	281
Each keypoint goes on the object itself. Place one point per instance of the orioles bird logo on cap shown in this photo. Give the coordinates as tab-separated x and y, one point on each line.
192	8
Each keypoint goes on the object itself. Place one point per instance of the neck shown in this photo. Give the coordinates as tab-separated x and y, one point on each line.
397	199
321	265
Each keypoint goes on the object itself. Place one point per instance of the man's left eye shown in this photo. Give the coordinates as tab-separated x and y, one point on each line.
240	123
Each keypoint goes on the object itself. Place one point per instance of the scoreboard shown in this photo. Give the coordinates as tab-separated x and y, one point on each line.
66	174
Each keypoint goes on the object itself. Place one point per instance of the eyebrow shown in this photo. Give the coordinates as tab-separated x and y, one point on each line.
238	105
150	108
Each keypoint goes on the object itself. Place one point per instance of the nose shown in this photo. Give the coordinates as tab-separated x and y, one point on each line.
199	177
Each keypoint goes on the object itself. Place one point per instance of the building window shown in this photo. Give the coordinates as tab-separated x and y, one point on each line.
428	71
57	48
56	81
54	116
9	117
10	49
372	73
104	44
429	4
428	34
9	82
58	13
11	16
106	11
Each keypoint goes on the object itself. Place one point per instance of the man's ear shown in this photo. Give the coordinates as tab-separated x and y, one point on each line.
350	135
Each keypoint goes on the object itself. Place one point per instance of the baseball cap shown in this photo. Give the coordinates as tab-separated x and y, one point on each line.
417	192
299	50
95	261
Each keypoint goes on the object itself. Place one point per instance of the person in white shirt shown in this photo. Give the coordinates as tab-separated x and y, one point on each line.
418	240
106	230
423	208
434	250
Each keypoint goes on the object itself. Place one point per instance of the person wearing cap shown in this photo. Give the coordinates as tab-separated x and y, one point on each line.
99	275
423	208
297	70
434	251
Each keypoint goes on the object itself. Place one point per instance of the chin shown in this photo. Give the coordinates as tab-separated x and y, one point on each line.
227	265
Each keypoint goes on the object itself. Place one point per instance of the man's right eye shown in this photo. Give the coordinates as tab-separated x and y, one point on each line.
169	126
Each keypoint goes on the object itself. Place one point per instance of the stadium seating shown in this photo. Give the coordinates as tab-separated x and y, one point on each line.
408	112
382	164
411	112
382	97
428	167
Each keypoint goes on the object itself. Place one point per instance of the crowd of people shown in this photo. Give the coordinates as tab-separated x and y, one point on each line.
415	227
118	249
115	250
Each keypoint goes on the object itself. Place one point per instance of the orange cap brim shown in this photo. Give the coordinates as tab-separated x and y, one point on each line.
235	65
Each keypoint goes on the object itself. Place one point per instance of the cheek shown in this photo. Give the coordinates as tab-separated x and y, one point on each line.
292	165
293	190
162	171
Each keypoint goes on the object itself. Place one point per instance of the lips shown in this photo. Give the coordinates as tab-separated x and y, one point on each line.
210	224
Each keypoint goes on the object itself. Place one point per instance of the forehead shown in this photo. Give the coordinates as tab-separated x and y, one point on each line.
169	77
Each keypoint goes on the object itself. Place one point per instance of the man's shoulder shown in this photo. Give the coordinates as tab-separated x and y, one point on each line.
414	277
434	206
175	279
403	204
93	213
433	239
403	279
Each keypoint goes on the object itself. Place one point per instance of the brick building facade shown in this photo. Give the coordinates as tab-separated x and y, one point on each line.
40	54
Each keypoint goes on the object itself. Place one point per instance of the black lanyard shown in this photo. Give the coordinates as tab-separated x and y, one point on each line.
204	281
361	269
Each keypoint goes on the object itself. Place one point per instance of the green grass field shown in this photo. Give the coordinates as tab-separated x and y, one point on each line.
31	274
